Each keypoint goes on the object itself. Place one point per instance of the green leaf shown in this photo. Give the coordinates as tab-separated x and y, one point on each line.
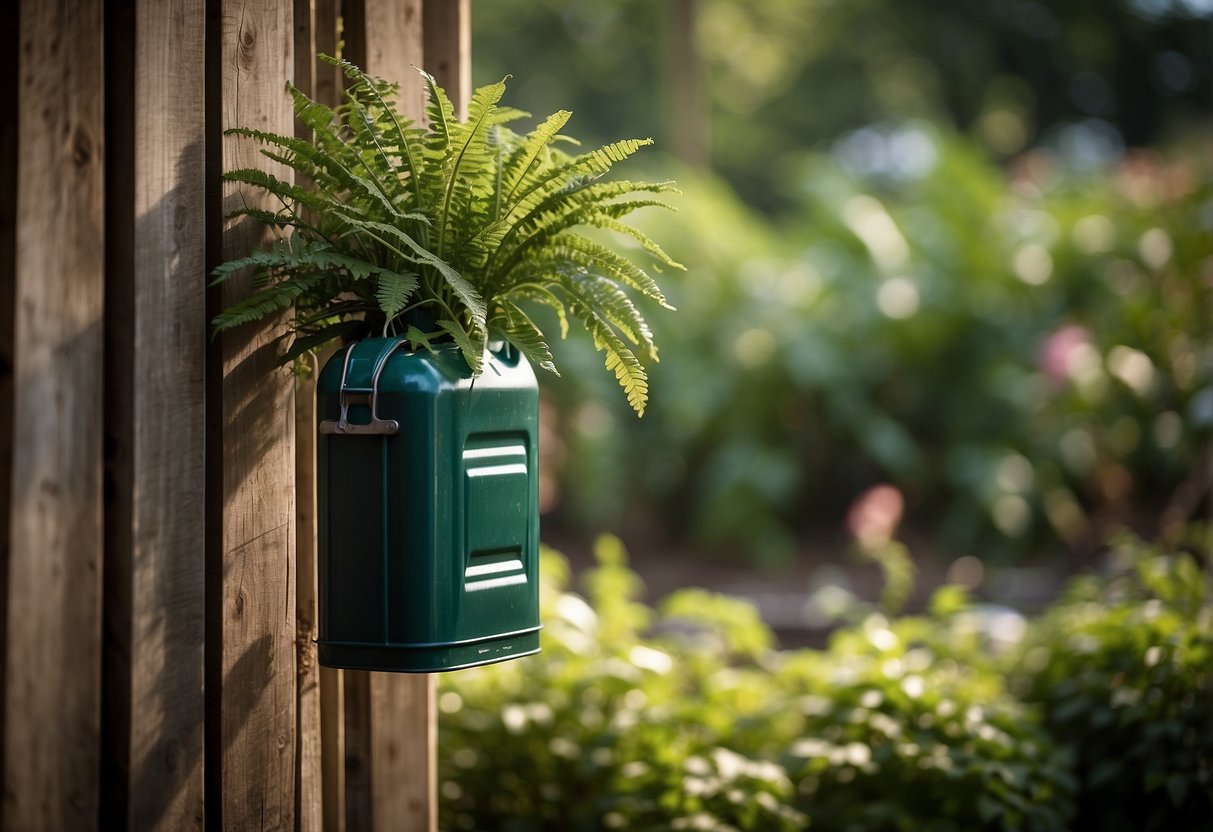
394	290
473	349
523	334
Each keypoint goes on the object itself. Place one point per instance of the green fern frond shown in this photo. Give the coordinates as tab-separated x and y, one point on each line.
594	258
590	206
620	360
646	243
472	348
440	112
313	340
519	166
537	293
462	288
393	292
464	219
264	302
468	156
528	338
611	304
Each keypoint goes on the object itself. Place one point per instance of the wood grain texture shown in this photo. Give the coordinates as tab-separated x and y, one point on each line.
257	706
327	88
155	354
447	45
51	707
390	726
309	794
309	782
384	38
332	744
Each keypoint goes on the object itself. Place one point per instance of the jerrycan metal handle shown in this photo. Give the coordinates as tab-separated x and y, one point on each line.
347	396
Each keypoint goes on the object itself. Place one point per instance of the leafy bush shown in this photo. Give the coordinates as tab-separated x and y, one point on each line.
686	717
1025	357
1124	671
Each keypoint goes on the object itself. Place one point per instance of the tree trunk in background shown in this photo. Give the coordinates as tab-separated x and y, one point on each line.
687	129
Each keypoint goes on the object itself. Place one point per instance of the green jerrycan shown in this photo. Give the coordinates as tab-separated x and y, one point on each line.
428	508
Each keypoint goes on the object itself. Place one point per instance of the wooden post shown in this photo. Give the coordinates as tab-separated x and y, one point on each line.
687	125
448	48
51	651
309	797
155	353
251	565
391	720
326	87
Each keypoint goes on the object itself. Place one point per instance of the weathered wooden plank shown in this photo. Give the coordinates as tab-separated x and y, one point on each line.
384	38
448	48
257	662
325	21
51	709
309	785
332	743
309	796
9	39
155	367
390	729
404	735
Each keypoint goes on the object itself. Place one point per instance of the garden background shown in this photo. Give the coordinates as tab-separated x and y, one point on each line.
944	342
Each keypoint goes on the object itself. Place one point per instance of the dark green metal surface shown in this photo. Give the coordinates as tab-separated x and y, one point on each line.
428	550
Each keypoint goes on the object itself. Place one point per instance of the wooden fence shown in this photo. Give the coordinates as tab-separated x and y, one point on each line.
157	554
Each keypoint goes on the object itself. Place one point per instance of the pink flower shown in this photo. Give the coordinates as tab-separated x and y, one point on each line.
874	515
1056	356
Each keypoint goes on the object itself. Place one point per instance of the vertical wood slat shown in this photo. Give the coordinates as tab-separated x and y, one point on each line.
9	40
51	709
155	587
448	48
390	726
326	88
257	660
309	795
384	38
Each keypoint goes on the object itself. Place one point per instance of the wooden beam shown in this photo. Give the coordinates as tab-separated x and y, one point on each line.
448	48
155	352
325	21
51	708
390	727
252	464
309	794
384	38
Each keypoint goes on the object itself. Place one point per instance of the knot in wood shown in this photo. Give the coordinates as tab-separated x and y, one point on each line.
247	53
82	147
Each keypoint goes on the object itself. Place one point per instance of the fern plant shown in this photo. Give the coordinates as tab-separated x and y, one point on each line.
447	232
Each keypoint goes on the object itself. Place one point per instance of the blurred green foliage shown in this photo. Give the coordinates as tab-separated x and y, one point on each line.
925	257
785	76
1095	716
1028	358
1124	671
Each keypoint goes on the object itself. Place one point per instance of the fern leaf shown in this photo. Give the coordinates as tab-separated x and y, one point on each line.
537	293
262	303
468	157
592	257
306	342
393	292
472	349
526	336
439	110
620	360
463	289
405	142
519	165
